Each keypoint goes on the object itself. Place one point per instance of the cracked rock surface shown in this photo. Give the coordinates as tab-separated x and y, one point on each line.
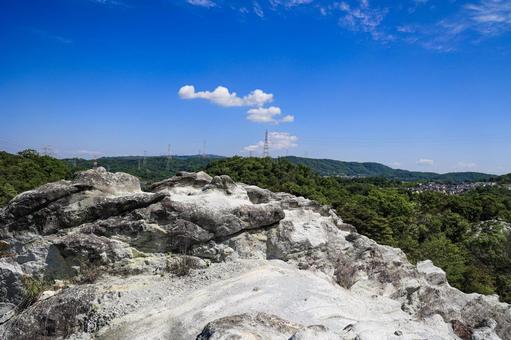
201	257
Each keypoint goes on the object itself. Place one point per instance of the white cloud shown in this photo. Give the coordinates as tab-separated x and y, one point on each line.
253	148
287	119
256	99
490	17
263	115
276	141
292	3
258	10
282	140
405	29
343	6
471	22
364	18
425	161
221	96
288	3
202	3
395	164
111	3
268	115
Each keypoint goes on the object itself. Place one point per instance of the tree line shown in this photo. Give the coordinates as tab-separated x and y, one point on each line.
27	170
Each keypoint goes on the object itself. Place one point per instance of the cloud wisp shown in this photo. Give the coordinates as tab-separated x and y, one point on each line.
276	141
425	161
364	18
472	22
386	22
256	99
50	36
111	3
489	17
202	3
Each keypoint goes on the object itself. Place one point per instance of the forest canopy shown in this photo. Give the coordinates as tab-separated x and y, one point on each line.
27	170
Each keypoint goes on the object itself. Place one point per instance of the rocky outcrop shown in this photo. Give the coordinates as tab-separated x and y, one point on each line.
247	326
11	289
262	326
204	257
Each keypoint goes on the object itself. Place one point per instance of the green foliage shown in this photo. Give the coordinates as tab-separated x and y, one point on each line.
154	169
505	179
7	192
462	234
32	290
27	170
446	255
504	287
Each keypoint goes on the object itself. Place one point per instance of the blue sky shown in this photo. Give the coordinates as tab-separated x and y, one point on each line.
414	84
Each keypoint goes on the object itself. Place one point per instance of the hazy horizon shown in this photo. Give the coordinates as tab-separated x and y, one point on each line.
416	85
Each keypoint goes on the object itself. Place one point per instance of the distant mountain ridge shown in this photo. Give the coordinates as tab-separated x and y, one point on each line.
158	167
330	167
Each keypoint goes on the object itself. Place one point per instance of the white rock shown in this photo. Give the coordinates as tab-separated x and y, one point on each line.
434	275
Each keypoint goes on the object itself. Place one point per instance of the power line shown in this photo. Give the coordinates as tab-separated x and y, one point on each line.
47	150
266	148
203	155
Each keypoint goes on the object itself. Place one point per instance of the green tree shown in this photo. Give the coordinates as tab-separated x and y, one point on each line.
27	170
447	256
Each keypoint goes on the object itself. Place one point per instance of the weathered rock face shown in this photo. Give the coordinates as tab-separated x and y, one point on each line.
204	257
247	326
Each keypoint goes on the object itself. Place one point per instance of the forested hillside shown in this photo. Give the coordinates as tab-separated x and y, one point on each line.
156	169
27	170
330	167
152	169
505	179
467	235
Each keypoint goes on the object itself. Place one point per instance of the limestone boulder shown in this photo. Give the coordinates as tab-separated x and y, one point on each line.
118	183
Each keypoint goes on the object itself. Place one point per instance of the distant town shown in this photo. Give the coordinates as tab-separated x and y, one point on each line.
450	189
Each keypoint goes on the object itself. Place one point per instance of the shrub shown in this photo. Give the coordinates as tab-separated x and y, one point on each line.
180	266
33	288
